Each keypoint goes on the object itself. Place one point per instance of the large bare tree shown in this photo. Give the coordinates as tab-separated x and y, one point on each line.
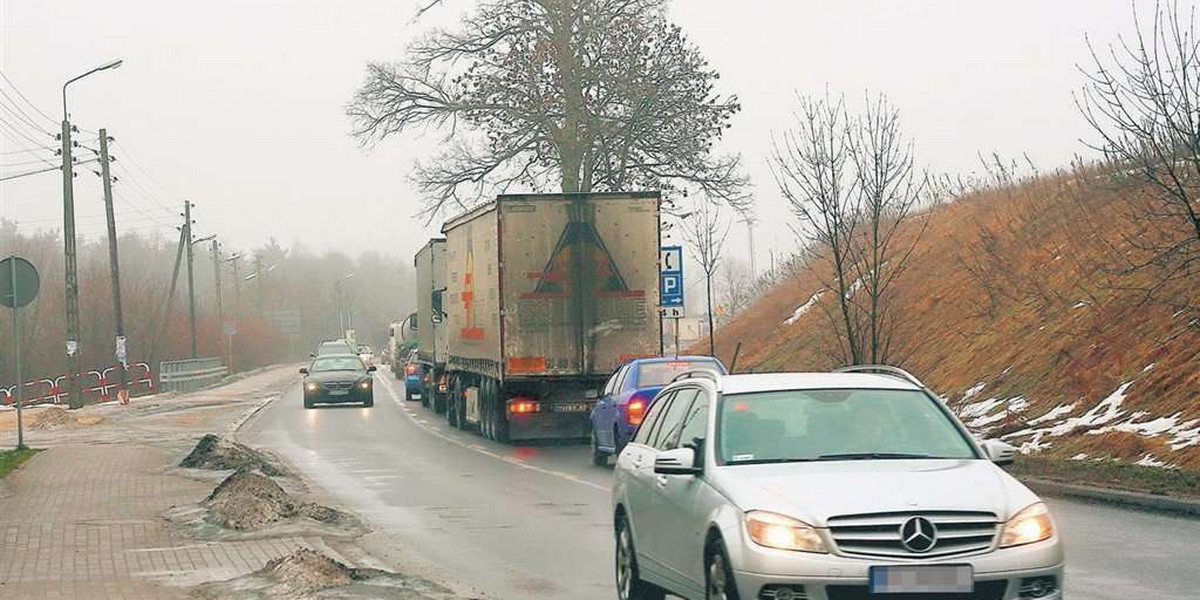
1142	99
852	184
583	95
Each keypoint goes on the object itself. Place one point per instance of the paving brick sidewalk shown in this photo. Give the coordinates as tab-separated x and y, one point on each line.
83	519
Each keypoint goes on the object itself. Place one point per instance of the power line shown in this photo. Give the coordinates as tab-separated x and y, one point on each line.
16	89
21	115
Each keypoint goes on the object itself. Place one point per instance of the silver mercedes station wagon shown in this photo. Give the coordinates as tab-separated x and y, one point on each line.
823	486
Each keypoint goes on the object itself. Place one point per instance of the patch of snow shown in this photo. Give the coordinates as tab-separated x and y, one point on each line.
1179	312
1150	461
1056	412
1082	304
976	409
1079	457
975	389
983	413
854	287
803	308
1106	411
1149	367
1032	446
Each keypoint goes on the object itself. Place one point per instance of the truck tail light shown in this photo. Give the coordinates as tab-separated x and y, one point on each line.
410	369
523	406
635	411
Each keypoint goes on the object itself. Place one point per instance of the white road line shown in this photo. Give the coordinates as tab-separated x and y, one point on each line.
481	450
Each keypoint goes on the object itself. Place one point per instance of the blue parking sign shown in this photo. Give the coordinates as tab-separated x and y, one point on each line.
670	279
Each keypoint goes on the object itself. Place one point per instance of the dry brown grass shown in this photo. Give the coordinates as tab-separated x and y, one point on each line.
1017	288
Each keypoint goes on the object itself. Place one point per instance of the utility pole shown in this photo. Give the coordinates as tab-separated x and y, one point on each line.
74	400
750	233
191	284
237	284
119	346
166	318
258	274
216	252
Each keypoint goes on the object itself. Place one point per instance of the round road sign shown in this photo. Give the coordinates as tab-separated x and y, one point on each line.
20	271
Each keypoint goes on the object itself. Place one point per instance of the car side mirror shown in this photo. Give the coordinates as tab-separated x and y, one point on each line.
304	370
372	369
999	452
680	461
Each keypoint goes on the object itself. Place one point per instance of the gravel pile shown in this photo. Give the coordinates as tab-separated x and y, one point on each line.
248	500
54	418
216	454
303	572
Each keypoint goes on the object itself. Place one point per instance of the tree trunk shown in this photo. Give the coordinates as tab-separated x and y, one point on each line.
712	331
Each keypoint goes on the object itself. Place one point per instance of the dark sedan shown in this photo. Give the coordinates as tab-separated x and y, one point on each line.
338	379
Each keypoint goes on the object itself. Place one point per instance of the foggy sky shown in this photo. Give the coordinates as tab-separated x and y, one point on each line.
238	105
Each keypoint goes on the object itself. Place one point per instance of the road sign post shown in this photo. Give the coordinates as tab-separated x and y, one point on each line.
670	287
19	288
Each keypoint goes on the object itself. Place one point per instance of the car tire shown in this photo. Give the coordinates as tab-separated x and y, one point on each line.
719	583
599	458
629	584
618	443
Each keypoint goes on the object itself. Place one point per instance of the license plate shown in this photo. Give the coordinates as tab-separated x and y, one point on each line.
338	392
922	579
571	407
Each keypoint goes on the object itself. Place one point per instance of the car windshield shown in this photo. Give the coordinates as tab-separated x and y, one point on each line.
337	363
829	425
657	374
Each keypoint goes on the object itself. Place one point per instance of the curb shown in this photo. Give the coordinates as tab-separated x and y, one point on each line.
1149	502
250	415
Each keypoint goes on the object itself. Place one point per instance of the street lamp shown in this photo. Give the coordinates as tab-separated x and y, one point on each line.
343	322
71	274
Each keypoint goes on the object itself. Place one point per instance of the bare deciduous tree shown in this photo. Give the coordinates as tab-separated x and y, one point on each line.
705	231
736	288
588	95
812	166
890	190
1143	101
853	186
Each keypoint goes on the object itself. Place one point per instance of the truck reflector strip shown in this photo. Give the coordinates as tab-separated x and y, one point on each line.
526	364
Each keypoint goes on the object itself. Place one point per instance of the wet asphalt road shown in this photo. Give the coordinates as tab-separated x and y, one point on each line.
525	523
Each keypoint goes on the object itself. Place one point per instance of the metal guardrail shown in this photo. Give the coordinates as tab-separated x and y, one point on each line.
191	374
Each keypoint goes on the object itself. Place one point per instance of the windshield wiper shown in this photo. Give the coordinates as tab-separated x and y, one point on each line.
769	461
872	456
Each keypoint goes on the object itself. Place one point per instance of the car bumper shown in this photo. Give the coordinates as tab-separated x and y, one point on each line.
324	397
832	577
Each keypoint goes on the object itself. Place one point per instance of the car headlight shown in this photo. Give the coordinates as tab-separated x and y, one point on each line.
312	387
1030	525
783	533
366	385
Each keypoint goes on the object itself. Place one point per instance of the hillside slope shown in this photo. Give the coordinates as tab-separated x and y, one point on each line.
1012	311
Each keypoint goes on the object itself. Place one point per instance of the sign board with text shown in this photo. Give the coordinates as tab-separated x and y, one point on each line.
670	281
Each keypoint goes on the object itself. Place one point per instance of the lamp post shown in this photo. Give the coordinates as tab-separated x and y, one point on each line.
71	275
341	309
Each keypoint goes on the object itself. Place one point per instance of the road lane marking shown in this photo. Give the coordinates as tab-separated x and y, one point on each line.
481	450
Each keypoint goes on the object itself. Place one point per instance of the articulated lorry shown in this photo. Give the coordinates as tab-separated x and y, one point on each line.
432	345
544	297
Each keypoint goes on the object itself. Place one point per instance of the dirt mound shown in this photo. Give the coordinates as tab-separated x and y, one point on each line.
250	500
60	418
307	574
305	571
216	454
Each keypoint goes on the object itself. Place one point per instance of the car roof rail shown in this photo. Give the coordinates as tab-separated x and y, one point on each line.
888	370
705	373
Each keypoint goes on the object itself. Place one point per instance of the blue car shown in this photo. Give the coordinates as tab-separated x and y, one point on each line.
628	395
413	371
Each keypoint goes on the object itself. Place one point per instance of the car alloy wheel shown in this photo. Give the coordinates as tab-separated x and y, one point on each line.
629	585
719	576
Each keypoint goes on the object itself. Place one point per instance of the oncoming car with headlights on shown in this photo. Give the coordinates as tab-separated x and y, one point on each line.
338	379
823	486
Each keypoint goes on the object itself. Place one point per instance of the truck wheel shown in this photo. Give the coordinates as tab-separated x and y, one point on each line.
499	418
